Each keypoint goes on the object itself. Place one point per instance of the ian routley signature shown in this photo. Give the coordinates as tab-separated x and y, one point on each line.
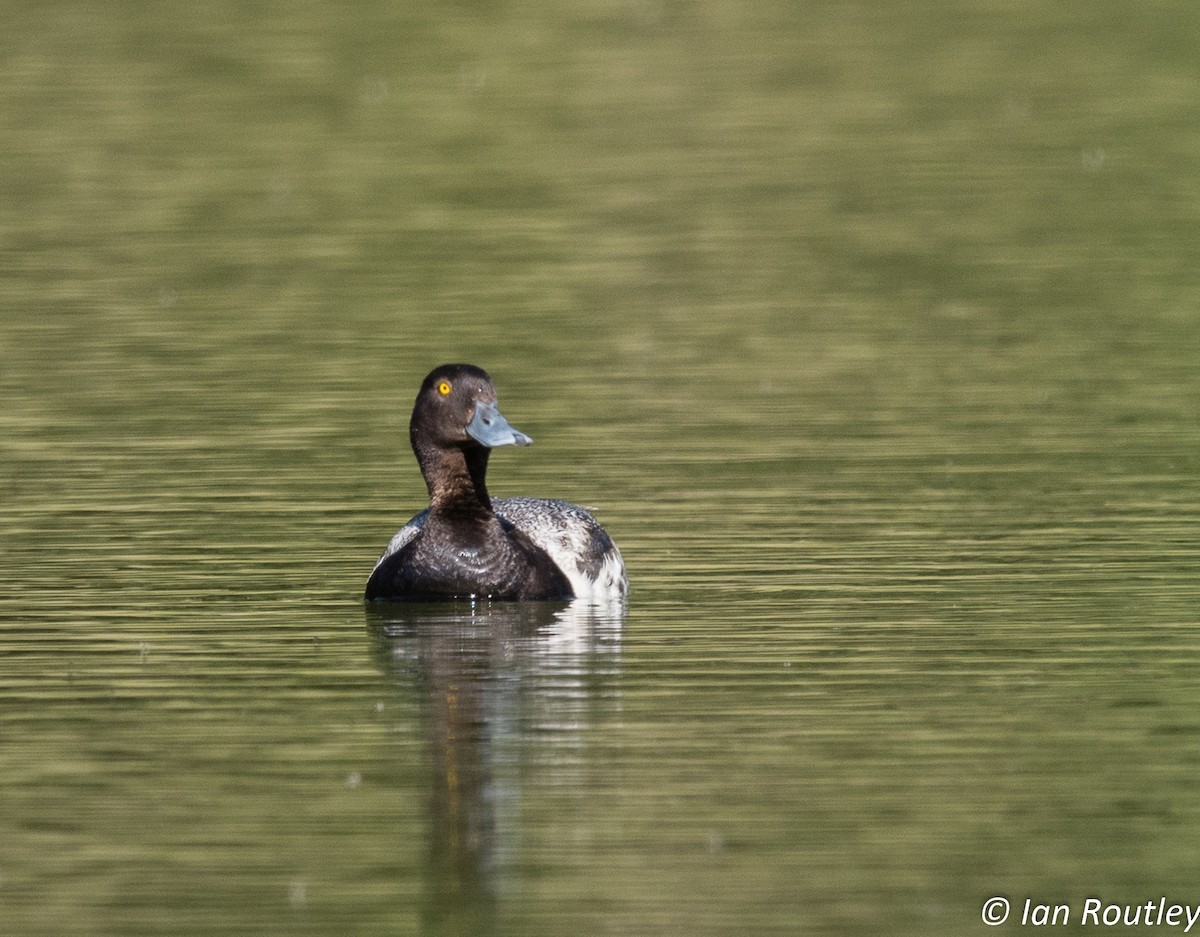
1095	912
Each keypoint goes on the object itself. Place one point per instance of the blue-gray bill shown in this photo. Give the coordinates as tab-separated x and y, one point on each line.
489	428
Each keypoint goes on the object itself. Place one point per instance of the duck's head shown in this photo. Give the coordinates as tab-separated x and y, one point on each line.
456	409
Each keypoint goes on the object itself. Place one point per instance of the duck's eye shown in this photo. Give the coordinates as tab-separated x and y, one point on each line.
444	388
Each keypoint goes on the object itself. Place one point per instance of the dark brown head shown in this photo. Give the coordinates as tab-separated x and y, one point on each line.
456	407
455	418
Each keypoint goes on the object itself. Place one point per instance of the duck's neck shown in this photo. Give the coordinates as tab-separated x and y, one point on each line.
455	479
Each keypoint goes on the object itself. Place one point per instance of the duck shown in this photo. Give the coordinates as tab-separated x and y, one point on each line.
468	545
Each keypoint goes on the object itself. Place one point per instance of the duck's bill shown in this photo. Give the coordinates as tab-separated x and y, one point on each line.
489	428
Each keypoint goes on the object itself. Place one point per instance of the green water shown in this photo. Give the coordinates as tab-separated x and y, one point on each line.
870	335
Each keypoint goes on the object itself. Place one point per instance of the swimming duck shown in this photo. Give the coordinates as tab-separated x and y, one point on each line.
466	544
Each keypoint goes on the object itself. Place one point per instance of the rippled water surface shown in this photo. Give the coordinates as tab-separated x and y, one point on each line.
870	335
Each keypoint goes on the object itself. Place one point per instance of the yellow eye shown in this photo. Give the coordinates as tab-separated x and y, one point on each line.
443	388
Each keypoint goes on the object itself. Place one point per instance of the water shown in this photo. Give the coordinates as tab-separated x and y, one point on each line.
870	337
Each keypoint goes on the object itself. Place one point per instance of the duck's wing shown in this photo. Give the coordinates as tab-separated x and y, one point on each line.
377	583
574	540
403	536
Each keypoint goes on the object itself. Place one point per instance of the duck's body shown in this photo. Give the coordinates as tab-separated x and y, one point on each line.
467	545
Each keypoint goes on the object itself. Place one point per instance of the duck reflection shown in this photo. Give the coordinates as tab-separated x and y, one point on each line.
506	692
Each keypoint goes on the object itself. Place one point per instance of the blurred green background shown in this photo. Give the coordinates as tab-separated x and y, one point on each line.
870	332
